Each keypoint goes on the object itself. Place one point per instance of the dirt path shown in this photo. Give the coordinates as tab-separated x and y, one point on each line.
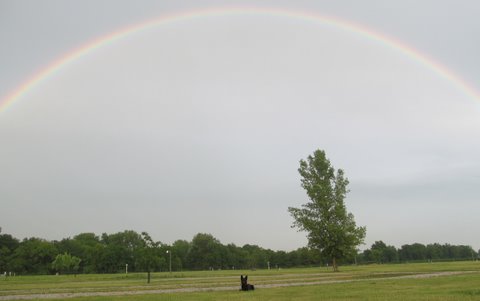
223	288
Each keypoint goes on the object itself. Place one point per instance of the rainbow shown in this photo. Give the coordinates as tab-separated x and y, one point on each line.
316	18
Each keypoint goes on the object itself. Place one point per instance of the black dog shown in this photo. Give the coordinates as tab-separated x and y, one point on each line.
245	286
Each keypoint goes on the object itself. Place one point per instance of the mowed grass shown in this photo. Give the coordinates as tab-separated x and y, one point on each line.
372	282
449	288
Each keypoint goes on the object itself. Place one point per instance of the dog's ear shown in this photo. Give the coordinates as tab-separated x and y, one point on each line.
241	277
246	277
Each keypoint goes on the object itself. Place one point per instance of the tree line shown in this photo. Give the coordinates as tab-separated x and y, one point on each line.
417	252
137	252
111	253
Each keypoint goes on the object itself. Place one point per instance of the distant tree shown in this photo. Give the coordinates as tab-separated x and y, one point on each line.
8	241
88	243
123	248
434	251
33	256
8	244
413	252
66	263
179	252
279	259
256	257
149	256
237	257
330	229
205	252
381	253
464	252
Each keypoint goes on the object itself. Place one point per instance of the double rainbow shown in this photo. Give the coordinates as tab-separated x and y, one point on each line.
360	30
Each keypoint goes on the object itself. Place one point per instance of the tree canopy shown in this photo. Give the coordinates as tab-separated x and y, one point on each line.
66	263
330	228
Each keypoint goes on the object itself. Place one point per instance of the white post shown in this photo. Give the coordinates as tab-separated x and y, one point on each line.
170	261
126	268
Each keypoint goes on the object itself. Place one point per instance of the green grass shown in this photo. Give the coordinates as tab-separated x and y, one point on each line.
439	288
367	283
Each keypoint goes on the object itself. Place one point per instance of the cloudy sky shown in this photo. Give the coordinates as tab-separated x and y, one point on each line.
198	124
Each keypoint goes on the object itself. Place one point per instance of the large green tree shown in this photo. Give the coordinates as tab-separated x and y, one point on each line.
330	228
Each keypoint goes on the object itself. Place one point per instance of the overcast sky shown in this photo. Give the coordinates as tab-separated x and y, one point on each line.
198	125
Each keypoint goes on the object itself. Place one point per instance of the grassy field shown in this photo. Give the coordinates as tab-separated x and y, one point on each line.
427	281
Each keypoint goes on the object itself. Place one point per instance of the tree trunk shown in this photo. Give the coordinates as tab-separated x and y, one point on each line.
148	277
334	263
